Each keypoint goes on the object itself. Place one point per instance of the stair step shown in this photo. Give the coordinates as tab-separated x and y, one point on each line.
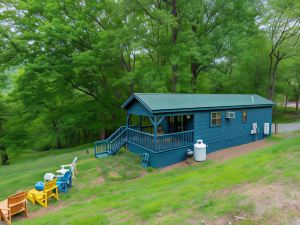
103	154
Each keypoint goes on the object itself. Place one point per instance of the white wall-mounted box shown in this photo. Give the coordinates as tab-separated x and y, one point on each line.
266	128
230	115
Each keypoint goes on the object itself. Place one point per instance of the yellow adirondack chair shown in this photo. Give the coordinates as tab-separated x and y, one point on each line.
41	197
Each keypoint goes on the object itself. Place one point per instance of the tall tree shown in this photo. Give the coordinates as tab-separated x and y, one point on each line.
74	62
3	118
282	25
295	80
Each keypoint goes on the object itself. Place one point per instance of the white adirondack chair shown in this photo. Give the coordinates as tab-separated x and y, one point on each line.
65	168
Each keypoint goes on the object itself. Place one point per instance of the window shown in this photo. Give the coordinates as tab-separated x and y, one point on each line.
215	119
244	116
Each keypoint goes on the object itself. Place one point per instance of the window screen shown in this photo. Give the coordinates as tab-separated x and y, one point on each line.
244	116
215	119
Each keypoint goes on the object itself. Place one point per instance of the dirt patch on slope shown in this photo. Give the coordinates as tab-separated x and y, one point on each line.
275	203
42	211
268	197
98	181
173	166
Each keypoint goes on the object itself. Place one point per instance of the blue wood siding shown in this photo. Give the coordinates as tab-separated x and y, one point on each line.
138	109
161	159
232	131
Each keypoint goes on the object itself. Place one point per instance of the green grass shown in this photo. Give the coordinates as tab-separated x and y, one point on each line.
133	195
286	115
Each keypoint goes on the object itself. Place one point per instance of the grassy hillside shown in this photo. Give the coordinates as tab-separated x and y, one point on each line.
117	190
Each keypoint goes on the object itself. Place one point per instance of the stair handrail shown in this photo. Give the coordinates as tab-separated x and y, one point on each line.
118	136
110	140
114	133
101	141
141	132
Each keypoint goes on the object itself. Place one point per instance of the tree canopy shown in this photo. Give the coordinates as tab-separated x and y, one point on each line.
67	65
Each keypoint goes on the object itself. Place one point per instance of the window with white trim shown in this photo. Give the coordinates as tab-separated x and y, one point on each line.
244	116
215	119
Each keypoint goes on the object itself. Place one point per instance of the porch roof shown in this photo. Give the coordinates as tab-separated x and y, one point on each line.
163	103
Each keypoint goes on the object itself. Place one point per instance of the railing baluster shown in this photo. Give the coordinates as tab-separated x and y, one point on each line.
165	141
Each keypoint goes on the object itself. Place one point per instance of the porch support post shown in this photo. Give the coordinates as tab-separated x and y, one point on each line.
127	119
151	120
160	120
155	130
140	123
155	122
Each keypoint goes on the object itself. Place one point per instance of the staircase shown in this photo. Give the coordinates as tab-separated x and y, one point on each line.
112	144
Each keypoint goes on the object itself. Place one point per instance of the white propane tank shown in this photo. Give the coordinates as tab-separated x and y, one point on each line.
199	151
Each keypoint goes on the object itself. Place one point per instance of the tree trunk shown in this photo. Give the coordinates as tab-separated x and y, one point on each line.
85	135
297	102
174	40
194	70
286	100
174	78
58	143
57	131
102	135
273	79
79	136
4	156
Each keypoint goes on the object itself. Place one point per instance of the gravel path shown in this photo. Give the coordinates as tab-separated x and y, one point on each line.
286	127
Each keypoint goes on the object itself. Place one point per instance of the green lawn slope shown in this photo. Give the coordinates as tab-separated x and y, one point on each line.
117	190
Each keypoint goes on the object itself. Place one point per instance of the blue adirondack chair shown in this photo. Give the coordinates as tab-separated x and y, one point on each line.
64	181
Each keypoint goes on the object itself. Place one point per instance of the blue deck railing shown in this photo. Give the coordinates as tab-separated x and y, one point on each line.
145	140
174	140
163	141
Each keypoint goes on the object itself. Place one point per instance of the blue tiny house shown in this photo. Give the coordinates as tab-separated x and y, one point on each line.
162	127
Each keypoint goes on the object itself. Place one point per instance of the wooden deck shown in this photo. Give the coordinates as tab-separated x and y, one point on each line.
161	142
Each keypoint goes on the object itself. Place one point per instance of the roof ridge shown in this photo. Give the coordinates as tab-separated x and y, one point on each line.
147	93
164	102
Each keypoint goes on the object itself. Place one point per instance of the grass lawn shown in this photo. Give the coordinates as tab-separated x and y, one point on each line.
117	190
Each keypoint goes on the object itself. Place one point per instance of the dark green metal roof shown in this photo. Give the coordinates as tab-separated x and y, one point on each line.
160	103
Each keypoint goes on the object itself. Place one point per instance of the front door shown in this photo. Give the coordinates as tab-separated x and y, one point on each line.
175	124
188	123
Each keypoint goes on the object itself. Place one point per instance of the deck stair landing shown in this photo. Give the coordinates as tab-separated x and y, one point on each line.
112	144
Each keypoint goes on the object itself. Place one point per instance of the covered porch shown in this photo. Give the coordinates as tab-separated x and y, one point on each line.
160	133
160	136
